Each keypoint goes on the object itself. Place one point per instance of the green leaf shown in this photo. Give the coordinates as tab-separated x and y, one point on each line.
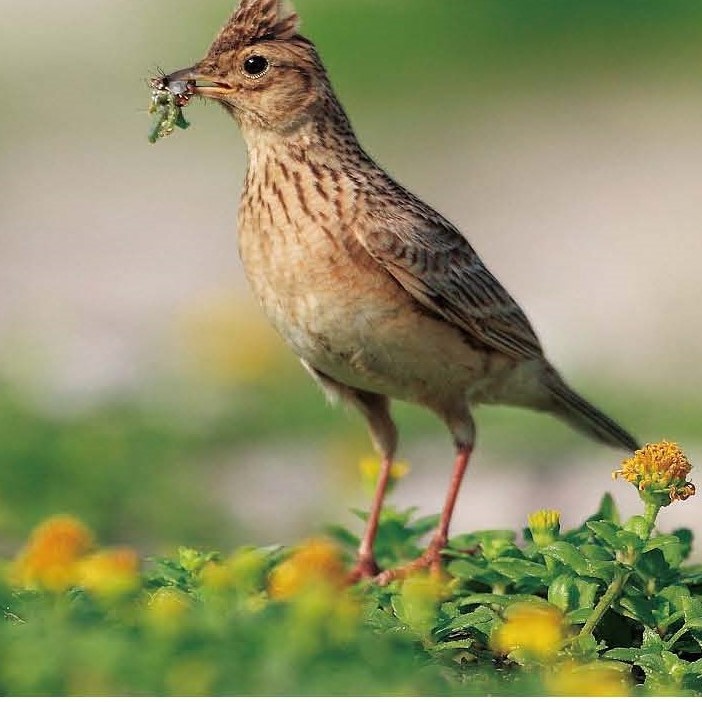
424	525
518	568
587	590
562	592
653	566
652	663
640	609
343	536
691	575
607	510
480	616
675	594
596	553
466	569
630	655
488	598
607	532
695	667
652	642
454	644
572	557
669	545
686	538
567	554
579	616
692	607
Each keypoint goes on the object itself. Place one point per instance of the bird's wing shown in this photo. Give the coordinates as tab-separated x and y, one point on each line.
433	261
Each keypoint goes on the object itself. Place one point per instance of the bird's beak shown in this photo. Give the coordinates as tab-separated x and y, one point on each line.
199	83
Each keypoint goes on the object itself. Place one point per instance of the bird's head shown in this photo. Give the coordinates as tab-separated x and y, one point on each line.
260	69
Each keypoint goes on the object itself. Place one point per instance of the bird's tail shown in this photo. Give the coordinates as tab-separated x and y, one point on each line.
584	417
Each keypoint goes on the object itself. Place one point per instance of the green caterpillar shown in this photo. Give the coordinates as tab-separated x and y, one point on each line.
167	102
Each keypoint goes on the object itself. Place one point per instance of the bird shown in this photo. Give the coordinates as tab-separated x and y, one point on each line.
379	295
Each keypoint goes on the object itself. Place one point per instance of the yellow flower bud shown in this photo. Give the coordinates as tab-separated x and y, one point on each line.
545	526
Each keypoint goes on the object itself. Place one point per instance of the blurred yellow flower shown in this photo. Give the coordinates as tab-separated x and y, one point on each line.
314	564
421	595
537	629
596	679
545	526
167	608
369	467
50	559
229	340
110	573
659	468
241	571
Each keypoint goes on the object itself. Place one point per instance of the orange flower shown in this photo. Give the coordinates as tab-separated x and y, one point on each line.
50	559
110	573
314	564
659	468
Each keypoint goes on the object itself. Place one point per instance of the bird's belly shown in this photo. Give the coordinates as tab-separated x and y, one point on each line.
348	318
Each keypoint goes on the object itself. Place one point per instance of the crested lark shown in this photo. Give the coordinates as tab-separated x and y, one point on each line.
378	294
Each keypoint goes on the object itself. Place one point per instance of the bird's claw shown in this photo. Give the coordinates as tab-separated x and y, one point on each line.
430	560
365	569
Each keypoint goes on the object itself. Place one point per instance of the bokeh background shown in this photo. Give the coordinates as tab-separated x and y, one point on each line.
142	390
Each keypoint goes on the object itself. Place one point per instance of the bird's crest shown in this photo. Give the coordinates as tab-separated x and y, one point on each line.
257	20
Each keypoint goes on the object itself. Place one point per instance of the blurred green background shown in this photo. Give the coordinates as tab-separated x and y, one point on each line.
144	392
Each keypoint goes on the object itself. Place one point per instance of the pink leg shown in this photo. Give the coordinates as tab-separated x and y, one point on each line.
366	566
431	558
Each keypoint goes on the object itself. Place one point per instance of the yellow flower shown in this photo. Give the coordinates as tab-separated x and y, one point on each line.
659	468
241	571
50	559
110	573
422	594
314	564
370	466
597	679
544	526
167	608
228	340
536	629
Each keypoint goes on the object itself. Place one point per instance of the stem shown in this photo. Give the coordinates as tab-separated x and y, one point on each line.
651	510
615	587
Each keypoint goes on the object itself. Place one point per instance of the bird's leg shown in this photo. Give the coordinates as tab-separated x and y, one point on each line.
366	567
376	409
431	558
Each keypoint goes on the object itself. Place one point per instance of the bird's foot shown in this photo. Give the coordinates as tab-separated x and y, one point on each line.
365	569
430	560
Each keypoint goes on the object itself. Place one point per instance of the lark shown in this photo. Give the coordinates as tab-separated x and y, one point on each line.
379	296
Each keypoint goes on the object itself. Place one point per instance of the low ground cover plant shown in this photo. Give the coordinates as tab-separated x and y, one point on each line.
607	608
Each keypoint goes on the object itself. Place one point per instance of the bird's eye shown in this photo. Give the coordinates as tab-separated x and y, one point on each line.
256	66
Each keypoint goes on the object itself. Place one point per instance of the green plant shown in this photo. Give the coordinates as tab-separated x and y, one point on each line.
605	608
